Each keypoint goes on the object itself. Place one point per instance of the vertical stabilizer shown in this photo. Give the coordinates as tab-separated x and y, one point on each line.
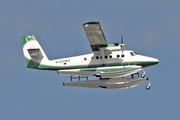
33	53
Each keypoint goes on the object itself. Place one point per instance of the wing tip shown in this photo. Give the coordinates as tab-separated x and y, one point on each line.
91	22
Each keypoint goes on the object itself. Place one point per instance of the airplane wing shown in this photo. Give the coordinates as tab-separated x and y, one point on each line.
95	35
118	83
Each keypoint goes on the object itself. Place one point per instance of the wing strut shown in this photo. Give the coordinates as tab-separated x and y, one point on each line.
78	77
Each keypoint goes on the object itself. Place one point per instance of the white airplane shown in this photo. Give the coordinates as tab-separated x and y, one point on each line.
109	62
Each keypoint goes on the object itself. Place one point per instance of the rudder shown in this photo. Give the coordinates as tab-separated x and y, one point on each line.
33	53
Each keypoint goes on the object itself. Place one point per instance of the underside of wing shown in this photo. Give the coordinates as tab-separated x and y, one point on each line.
97	40
118	83
95	35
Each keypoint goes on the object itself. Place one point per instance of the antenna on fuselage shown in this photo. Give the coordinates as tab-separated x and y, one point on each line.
122	46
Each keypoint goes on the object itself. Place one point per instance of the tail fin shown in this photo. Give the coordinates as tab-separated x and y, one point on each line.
33	53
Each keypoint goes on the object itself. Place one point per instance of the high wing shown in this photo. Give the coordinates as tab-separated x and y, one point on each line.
95	34
96	38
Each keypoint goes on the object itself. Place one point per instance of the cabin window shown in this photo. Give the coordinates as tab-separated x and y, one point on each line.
110	56
97	57
106	57
100	57
118	56
85	59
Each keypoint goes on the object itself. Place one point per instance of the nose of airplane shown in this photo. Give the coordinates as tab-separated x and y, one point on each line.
154	61
149	60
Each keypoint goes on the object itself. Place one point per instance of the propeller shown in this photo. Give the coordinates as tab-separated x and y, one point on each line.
117	44
122	46
121	40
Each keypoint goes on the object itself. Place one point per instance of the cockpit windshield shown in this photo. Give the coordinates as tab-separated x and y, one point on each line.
133	53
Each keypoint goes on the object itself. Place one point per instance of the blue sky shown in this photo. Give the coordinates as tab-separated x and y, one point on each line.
148	27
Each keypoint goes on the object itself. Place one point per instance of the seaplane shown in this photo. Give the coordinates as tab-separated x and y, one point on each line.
112	65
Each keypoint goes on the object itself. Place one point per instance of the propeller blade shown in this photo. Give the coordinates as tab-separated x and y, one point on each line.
121	40
122	47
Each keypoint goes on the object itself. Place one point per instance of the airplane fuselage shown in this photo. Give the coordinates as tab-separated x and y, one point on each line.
91	61
87	60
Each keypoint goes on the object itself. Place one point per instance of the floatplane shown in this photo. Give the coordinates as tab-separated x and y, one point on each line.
114	67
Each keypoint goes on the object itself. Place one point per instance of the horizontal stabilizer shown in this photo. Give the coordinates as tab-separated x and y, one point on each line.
118	83
35	53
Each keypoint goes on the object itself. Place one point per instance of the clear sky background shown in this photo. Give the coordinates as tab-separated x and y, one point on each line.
149	27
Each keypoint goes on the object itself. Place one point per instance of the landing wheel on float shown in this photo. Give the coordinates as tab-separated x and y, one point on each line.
143	75
148	86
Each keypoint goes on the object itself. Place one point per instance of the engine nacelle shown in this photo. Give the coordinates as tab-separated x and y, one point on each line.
114	47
